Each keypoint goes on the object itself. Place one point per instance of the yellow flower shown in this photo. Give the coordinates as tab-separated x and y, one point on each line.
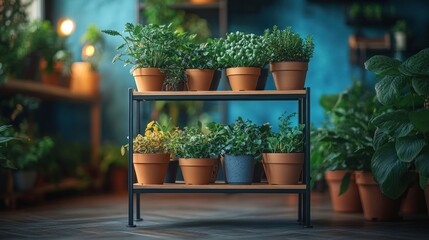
149	125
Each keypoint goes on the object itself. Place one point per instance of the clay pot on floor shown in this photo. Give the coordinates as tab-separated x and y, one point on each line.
414	201
289	75
243	78
151	168
118	177
84	79
376	206
199	79
349	201
283	168
197	171
148	79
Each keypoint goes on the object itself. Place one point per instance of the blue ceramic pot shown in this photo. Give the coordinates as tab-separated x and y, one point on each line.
239	169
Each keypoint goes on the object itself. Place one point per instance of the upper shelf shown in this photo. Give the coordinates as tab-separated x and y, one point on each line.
221	95
36	89
189	6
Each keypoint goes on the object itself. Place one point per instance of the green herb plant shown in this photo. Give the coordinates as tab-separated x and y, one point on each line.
201	56
288	46
288	139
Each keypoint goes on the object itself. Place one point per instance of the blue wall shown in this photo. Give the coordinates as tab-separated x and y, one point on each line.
329	72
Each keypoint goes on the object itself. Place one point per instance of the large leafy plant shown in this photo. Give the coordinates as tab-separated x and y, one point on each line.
286	45
401	139
243	50
288	139
148	46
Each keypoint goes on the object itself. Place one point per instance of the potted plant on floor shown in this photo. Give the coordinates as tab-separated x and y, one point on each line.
197	154
401	145
243	56
150	154
289	57
151	49
284	156
243	142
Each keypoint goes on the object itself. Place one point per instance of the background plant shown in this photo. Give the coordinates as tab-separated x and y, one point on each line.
401	139
286	45
93	37
243	50
288	139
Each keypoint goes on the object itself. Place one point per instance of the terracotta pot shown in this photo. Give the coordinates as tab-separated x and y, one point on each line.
148	79
199	79
243	78
348	201
289	75
215	80
151	168
197	171
283	168
376	206
427	195
118	179
83	79
53	77
414	201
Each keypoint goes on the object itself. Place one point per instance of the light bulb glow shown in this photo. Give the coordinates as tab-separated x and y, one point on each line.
66	27
88	51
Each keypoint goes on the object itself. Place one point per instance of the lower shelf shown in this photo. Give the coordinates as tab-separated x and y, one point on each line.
218	187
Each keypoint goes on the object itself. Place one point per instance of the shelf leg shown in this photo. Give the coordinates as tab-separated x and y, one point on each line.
299	208
130	159
306	176
138	218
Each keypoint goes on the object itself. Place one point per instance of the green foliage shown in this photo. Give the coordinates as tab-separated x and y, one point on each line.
93	37
149	46
13	17
4	146
288	139
29	154
401	142
243	50
201	56
286	45
192	142
110	157
241	138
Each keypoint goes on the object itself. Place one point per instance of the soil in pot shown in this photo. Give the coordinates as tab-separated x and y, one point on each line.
170	177
376	206
148	79
283	168
151	168
215	80
243	78
349	201
197	171
289	75
239	169
199	79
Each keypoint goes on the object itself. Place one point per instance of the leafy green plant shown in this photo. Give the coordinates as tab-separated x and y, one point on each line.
288	139
6	137
28	155
286	45
243	137
400	26
153	141
175	76
192	142
110	157
149	46
243	50
401	139
201	56
93	37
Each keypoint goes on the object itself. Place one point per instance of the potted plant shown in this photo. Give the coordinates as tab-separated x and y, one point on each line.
197	154
242	143
243	56
289	57
85	76
401	145
200	61
151	49
284	156
150	154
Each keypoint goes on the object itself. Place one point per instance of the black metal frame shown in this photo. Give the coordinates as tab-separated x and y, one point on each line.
304	210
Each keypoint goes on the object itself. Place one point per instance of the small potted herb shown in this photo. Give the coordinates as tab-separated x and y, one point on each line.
151	49
289	57
284	158
197	154
243	56
150	154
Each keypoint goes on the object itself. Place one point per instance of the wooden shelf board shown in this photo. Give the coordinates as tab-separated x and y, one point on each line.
36	89
220	93
189	6
219	186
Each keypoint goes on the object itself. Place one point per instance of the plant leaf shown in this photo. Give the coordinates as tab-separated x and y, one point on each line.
380	138
389	172
111	32
395	123
408	148
421	86
420	120
388	88
345	182
382	65
417	65
422	167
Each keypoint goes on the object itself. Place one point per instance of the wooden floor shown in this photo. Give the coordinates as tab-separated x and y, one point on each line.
198	216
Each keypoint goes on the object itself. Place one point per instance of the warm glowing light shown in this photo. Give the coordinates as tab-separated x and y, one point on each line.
65	26
88	51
